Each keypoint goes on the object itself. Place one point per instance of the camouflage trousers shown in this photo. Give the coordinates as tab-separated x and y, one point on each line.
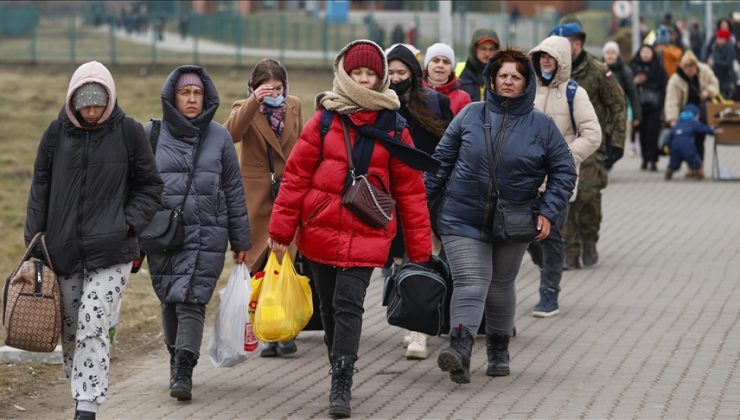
584	221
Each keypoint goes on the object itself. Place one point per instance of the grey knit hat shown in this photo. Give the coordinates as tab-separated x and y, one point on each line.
90	94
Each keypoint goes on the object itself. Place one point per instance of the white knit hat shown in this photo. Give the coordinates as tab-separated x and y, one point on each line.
611	46
439	49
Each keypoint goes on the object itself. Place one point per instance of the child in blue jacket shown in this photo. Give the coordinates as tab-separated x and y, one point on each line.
681	143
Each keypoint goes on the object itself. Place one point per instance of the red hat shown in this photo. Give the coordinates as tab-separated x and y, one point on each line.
723	33
364	55
487	39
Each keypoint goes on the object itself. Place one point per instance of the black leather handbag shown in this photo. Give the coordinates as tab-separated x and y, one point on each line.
513	221
418	297
165	232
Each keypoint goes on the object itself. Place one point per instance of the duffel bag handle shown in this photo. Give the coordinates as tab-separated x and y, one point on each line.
38	237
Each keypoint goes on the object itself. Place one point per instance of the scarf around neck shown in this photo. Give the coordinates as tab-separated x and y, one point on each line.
275	117
348	96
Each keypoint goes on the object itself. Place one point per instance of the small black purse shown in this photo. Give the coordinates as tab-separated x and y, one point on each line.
165	231
513	221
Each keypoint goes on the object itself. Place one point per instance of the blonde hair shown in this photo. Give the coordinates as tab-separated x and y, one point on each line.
688	60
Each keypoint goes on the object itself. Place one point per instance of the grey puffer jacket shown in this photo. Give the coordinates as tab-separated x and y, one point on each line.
532	149
215	212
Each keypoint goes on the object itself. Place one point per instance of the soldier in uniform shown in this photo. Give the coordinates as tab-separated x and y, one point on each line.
581	231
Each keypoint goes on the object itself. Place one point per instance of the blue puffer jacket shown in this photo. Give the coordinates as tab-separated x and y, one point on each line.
215	212
533	148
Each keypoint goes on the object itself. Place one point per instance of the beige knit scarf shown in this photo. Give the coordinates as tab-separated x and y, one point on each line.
348	96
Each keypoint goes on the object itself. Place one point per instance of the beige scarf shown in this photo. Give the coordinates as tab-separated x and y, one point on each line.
348	96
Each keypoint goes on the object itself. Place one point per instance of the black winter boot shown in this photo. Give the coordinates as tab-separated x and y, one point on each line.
173	366
456	358
497	348
185	362
590	255
342	369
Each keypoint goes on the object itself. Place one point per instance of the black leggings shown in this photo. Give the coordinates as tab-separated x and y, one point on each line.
342	298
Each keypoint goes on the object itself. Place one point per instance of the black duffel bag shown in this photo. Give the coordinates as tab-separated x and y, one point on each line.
417	297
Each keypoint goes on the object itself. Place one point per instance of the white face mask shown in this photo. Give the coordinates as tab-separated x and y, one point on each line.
548	76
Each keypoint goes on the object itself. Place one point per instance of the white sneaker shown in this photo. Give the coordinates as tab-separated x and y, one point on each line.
406	339
417	348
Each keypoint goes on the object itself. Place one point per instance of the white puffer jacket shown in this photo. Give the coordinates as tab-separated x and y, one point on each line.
552	100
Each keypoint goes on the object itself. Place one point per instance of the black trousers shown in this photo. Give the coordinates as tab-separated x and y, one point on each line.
342	298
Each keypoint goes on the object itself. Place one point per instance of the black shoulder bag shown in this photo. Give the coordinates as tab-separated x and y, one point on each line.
513	221
165	231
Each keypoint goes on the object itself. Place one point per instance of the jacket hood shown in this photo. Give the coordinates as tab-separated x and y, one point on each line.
517	105
477	36
250	84
90	72
408	58
176	122
559	48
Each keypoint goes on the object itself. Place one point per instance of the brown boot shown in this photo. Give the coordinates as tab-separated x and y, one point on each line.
699	173
668	175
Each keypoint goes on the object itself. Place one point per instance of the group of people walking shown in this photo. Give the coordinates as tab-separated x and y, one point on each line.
505	124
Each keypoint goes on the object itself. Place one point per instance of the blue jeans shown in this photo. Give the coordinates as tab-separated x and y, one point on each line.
483	276
552	250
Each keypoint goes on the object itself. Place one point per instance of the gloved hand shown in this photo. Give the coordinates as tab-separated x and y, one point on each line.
615	153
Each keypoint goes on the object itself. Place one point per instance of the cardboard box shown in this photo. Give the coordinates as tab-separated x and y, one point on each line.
725	118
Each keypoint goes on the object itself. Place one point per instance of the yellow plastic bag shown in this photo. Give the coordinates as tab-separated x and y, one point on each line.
280	302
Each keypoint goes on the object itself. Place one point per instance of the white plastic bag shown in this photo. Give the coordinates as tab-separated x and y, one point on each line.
226	345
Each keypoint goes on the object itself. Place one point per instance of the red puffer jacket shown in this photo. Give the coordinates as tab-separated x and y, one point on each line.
458	97
310	201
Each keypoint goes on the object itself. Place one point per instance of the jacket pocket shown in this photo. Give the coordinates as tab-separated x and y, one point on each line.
316	210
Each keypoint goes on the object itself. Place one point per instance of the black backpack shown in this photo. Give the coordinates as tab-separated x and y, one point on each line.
418	297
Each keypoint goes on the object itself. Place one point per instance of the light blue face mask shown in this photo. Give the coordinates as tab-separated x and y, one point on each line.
547	76
273	102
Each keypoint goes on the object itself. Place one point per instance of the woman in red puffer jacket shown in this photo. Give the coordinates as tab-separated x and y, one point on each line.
341	248
439	62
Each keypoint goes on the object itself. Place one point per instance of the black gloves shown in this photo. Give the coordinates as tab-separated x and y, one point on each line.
614	154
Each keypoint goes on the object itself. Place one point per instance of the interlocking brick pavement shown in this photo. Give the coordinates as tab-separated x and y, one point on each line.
652	331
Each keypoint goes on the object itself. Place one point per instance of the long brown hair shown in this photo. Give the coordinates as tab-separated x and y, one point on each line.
420	111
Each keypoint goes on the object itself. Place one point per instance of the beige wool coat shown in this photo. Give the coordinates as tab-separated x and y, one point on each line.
250	127
552	100
677	91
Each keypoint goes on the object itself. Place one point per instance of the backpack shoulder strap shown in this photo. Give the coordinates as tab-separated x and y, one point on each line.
154	134
52	136
400	125
326	119
570	94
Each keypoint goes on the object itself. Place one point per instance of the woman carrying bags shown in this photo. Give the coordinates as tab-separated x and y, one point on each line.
267	124
197	161
427	113
341	248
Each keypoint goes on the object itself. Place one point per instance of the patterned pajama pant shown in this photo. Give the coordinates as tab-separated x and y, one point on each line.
88	300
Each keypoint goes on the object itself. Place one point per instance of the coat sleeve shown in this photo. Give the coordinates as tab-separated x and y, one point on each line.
708	80
587	124
446	152
297	178
561	175
241	117
673	100
145	189
231	180
407	187
613	97
38	197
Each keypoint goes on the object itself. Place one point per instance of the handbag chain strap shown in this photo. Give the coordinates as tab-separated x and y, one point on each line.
270	163
192	173
362	177
493	161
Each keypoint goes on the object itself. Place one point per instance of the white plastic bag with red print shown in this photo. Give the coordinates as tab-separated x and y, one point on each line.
232	340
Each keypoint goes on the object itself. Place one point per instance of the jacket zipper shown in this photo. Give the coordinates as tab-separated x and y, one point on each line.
499	137
83	181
